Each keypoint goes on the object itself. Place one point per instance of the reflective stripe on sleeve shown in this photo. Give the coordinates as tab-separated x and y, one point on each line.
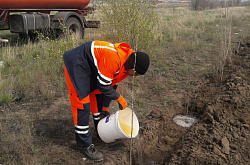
95	62
104	77
102	82
106	47
117	72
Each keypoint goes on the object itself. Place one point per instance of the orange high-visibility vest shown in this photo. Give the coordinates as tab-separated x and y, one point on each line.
96	66
109	59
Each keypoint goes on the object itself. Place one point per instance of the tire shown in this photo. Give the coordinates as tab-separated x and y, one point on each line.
74	27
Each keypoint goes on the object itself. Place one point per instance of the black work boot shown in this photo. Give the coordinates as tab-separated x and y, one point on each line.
91	153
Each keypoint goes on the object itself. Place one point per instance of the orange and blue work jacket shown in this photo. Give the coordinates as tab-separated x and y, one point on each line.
95	67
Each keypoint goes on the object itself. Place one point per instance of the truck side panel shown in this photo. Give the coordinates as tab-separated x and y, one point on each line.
43	4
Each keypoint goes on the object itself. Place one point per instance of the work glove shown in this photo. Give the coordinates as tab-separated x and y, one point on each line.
122	103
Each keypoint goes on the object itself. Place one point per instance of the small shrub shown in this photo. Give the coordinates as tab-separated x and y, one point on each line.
224	35
130	21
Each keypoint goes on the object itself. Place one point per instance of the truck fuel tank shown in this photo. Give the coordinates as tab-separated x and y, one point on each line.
43	4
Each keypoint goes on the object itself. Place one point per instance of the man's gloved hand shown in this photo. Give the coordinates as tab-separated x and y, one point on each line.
122	102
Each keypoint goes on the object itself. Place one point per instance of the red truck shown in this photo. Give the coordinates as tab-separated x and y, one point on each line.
28	16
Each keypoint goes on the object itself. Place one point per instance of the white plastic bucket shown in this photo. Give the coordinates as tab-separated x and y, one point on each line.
118	126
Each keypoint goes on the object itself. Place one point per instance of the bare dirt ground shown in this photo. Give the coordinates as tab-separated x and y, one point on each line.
42	133
222	134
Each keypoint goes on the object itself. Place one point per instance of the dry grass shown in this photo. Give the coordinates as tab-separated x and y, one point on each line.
34	70
197	36
185	53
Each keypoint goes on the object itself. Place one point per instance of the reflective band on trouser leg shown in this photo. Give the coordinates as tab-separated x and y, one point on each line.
83	136
81	111
96	118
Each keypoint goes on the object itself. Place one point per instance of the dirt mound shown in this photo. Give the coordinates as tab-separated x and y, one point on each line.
221	136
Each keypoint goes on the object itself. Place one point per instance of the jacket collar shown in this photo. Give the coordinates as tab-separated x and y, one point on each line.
123	50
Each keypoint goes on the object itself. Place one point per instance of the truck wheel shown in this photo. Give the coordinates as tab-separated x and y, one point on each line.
74	27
